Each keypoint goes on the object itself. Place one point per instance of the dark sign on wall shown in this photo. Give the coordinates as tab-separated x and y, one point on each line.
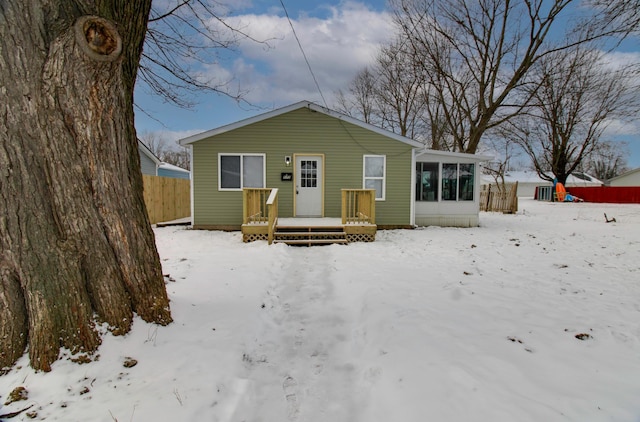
286	177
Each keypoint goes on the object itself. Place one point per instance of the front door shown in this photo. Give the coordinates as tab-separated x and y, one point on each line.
309	180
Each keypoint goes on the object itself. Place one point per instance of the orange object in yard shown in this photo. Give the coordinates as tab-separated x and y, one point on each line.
561	192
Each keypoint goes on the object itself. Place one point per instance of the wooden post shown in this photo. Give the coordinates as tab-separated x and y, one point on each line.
344	206
372	204
245	205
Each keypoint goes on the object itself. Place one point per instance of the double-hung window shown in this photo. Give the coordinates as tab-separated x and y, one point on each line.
374	174
237	171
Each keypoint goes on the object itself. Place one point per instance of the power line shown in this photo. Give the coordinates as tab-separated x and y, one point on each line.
303	54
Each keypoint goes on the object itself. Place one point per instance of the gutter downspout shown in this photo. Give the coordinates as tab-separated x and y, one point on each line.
191	177
412	190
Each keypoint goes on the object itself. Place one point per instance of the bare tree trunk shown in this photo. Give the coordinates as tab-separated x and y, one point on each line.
77	246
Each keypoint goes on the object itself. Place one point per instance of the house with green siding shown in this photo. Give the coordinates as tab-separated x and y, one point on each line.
311	155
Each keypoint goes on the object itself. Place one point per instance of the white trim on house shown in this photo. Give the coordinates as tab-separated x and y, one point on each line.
475	157
412	192
302	104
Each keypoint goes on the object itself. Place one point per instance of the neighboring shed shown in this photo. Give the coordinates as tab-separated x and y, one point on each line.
311	154
151	165
148	161
630	178
169	170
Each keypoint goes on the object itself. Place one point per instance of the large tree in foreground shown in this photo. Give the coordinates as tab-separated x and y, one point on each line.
76	247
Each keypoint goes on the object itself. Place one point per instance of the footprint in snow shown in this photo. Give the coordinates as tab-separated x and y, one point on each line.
290	387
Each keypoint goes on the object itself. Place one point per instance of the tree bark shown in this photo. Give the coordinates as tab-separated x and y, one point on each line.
77	246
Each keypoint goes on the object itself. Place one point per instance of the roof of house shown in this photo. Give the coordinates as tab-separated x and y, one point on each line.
302	104
146	151
167	166
476	157
626	174
159	163
575	179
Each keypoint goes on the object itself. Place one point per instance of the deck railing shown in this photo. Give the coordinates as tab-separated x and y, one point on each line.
272	211
260	207
358	206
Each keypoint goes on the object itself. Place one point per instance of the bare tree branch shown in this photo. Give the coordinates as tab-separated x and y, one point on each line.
185	40
477	55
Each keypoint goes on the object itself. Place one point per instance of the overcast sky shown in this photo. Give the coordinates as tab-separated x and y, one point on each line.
339	38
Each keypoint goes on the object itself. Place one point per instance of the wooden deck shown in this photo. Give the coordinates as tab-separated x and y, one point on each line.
261	222
310	231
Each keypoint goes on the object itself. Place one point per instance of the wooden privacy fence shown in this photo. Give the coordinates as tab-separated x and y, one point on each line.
166	198
505	201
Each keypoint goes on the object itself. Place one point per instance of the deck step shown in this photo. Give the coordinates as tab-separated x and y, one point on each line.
310	235
311	228
311	241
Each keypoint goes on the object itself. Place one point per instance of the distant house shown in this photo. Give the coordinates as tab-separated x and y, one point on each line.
151	165
630	178
528	181
312	155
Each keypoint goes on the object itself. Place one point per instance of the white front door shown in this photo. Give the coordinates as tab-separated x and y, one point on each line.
308	187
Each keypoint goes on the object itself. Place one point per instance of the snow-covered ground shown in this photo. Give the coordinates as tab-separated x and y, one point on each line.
530	317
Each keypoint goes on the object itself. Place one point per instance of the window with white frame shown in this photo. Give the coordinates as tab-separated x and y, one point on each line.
457	181
237	171
374	174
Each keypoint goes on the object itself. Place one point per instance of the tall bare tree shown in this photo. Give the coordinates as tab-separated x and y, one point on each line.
578	97
388	94
76	246
399	91
609	159
360	100
503	149
476	54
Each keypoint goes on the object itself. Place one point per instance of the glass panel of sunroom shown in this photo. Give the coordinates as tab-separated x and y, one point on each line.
449	182
467	176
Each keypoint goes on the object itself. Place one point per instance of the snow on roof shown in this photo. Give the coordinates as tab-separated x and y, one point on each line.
625	174
168	166
531	177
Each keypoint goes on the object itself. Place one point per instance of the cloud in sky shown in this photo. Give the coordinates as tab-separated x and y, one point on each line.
337	46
